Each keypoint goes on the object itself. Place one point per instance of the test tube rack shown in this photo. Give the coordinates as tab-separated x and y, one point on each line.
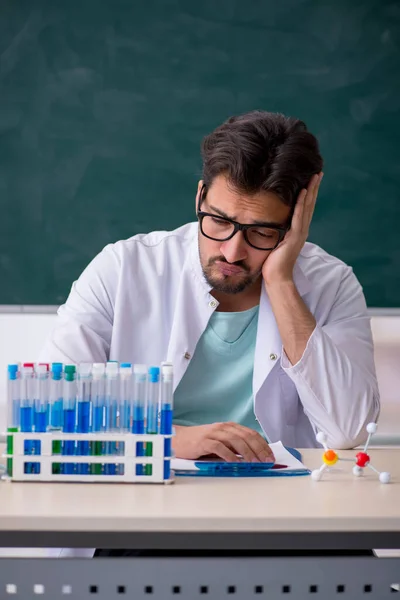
138	458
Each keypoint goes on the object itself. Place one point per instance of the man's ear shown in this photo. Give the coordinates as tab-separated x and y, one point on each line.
199	187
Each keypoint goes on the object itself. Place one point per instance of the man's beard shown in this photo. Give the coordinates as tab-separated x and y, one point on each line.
227	284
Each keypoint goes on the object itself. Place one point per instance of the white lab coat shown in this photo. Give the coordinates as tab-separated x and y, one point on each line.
145	300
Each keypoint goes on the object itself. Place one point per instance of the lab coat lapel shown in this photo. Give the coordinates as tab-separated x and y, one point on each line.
193	308
269	343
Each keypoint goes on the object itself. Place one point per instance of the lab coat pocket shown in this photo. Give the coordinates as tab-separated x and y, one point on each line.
289	398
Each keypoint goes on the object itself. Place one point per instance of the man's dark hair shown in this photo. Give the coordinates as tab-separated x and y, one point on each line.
262	151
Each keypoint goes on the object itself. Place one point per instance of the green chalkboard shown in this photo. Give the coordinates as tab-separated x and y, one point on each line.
103	104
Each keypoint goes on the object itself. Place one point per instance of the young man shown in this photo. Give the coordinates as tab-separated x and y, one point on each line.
268	334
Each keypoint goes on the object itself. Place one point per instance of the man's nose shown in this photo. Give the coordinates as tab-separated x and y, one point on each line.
235	249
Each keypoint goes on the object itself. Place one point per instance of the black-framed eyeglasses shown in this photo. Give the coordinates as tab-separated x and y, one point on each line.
221	229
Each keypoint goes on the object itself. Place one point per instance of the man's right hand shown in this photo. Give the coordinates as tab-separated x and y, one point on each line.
225	440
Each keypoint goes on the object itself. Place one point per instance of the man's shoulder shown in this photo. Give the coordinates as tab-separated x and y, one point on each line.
312	256
323	269
155	242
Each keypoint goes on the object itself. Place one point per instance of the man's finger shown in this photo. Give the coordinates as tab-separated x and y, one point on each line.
255	442
230	436
212	446
297	219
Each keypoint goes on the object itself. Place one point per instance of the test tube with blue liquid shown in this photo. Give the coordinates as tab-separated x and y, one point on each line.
125	403
13	411
111	411
153	394
69	415
56	397
125	397
41	414
56	408
153	398
84	412
27	389
98	408
167	394
138	408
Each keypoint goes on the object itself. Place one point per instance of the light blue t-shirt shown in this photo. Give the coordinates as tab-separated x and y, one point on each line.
217	385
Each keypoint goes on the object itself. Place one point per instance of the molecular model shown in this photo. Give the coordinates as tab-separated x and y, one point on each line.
362	459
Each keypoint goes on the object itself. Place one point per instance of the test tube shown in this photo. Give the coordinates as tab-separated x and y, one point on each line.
111	410
153	392
84	412
167	391
26	408
138	408
56	397
69	415
56	409
41	414
167	374
41	398
98	401
13	411
139	398
13	399
125	397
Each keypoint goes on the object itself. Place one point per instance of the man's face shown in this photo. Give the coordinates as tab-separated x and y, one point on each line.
233	266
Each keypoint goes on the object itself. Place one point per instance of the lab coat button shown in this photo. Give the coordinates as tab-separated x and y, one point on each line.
187	356
212	304
273	356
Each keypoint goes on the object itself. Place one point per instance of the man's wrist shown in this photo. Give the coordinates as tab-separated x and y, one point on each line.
280	284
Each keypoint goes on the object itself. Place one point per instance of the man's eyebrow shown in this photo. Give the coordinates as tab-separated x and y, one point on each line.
256	223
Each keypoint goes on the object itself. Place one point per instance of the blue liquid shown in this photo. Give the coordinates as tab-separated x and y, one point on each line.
68	447
83	427
138	419
111	425
166	419
167	447
26	419
41	418
98	418
125	416
26	413
167	469
57	414
83	417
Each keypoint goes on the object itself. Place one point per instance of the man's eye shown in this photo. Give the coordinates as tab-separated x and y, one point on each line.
264	234
218	221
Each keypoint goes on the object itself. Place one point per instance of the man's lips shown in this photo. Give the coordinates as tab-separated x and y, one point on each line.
227	269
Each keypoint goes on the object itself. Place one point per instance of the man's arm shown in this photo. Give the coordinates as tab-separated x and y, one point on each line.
294	320
83	329
332	366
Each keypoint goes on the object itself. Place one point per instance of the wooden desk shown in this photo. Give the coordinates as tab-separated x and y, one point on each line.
251	521
339	512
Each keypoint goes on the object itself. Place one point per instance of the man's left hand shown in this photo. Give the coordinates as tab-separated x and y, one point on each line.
279	265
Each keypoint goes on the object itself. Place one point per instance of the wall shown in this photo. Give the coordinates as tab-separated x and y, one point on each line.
22	336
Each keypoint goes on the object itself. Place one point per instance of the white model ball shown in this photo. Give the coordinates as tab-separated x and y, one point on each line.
357	471
384	477
316	475
372	427
321	437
